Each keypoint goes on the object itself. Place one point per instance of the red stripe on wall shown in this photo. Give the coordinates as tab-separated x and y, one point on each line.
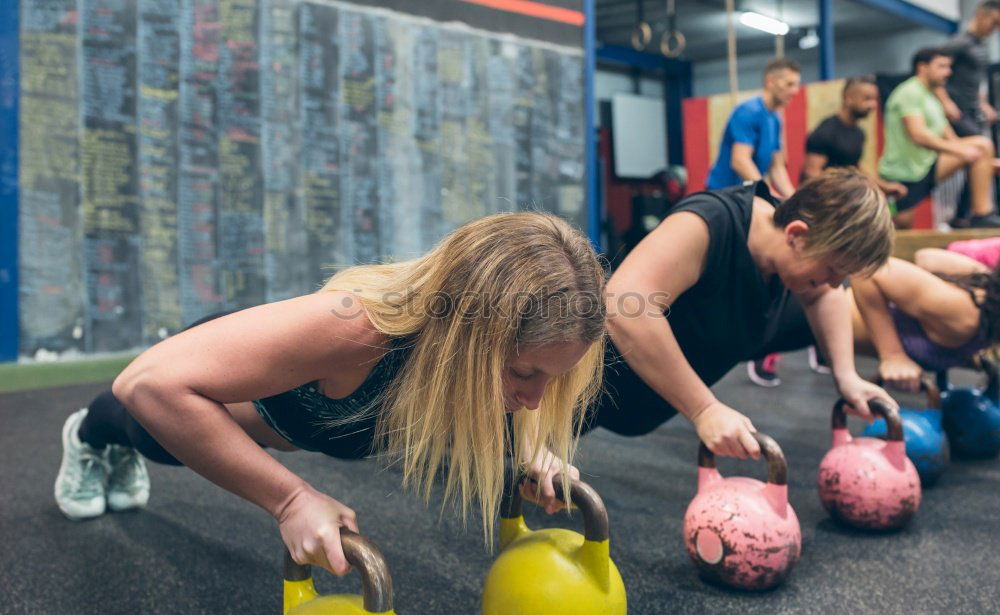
696	150
795	134
534	9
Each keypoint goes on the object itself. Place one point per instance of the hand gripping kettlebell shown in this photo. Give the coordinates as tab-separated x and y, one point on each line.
740	531
971	416
554	571
926	444
301	597
867	482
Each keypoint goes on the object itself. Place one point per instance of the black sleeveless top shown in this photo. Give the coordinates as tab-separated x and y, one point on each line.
303	415
731	313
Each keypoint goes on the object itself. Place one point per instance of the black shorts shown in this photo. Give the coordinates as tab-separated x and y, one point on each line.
919	190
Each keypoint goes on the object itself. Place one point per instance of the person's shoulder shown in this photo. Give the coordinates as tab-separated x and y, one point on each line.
750	107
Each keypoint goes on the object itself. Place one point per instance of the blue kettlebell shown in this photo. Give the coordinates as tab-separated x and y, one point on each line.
971	416
926	444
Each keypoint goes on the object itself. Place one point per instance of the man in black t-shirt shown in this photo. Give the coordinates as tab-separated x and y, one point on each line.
838	141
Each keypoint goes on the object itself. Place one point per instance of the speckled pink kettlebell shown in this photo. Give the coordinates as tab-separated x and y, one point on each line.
869	482
739	531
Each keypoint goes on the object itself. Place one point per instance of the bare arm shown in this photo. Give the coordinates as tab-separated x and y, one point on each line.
950	108
829	313
948	262
741	161
916	128
663	266
177	389
815	163
779	175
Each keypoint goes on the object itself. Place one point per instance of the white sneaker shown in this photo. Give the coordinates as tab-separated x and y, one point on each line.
817	362
79	488
128	480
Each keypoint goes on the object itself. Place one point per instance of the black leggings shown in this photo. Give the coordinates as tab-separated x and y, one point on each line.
108	422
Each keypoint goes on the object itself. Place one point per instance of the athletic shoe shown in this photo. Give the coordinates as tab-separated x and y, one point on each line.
128	480
764	372
817	362
990	221
79	488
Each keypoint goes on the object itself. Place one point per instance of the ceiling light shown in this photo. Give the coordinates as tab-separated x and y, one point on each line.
810	40
765	23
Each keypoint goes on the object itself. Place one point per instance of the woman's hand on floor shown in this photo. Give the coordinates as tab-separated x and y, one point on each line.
310	527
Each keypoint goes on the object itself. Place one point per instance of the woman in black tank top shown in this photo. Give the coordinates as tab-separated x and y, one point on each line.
736	274
410	359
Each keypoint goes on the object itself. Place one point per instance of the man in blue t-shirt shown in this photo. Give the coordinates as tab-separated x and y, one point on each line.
751	144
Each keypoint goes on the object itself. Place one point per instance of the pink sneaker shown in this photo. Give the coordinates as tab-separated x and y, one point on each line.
764	372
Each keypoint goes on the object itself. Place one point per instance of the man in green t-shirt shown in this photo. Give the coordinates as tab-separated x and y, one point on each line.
921	148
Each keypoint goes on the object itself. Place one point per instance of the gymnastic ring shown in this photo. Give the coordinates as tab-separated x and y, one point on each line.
641	35
672	43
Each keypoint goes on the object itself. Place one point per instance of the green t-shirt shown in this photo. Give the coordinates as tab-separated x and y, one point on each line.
903	160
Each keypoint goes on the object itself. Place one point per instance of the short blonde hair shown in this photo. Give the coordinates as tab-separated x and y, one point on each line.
848	218
491	287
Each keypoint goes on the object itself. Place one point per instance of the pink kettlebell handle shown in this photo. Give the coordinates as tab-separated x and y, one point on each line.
927	385
776	490
895	425
777	468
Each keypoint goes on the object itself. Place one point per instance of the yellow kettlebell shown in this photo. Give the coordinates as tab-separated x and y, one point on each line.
301	597
554	571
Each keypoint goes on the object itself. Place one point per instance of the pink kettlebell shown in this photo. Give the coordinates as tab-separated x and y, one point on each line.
869	482
740	531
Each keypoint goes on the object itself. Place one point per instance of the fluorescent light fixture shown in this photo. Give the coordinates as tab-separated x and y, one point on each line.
765	23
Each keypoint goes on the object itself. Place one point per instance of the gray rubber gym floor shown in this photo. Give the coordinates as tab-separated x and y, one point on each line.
198	549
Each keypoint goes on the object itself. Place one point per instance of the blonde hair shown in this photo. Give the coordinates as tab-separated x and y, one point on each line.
491	287
848	217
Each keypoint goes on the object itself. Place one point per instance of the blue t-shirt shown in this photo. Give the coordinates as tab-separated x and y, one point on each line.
753	124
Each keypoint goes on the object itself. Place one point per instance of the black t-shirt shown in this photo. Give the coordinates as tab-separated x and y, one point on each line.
731	312
970	59
842	145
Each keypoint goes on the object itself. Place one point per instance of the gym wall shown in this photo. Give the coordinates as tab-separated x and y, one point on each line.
183	157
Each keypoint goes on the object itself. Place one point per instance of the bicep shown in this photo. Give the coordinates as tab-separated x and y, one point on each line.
260	351
665	264
742	151
914	124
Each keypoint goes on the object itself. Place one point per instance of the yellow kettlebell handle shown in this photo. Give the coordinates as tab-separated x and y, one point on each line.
363	555
595	554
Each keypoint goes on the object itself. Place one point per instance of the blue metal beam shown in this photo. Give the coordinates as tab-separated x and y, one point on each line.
626	56
826	44
593	195
916	14
10	85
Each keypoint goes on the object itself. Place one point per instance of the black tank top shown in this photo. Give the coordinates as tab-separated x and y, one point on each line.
731	313
303	415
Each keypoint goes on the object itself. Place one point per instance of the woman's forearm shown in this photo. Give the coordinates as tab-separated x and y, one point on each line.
829	316
202	435
648	345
